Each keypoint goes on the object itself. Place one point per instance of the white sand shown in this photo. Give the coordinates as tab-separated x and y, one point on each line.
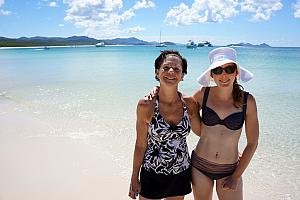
37	166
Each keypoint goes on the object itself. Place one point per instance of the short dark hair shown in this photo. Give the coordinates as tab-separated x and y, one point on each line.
161	58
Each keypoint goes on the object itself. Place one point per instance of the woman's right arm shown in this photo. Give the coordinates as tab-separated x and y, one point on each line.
144	116
193	111
197	105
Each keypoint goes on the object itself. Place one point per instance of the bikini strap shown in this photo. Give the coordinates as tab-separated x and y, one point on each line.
245	103
206	92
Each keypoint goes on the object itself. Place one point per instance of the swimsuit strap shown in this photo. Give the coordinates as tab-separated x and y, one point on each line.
183	103
245	103
206	92
156	108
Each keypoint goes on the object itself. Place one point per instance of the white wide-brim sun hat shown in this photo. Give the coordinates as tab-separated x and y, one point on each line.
219	57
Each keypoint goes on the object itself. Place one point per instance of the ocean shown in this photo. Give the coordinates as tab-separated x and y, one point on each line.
67	119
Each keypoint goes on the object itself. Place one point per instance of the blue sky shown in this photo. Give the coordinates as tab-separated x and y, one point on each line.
274	22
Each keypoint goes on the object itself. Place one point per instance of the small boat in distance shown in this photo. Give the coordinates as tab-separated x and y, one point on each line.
204	43
100	44
161	44
46	48
191	44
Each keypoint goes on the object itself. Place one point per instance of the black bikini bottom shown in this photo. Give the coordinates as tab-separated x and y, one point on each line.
212	170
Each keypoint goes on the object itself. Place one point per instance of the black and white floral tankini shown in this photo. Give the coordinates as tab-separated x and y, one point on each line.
166	168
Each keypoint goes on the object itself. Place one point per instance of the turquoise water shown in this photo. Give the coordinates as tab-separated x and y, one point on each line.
101	86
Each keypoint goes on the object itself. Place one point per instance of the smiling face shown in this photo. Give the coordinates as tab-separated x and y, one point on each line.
170	71
224	75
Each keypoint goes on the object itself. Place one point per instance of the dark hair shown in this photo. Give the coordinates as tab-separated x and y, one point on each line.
161	58
237	94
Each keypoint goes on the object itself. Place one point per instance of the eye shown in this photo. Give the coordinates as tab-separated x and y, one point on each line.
166	68
177	69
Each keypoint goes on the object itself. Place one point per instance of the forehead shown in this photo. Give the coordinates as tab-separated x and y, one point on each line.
172	59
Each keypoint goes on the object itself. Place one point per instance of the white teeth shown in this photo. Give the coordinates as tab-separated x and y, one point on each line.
224	81
170	78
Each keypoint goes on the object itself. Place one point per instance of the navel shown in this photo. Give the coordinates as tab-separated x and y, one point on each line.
217	154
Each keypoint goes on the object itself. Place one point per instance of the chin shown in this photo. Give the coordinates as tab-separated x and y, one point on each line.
224	85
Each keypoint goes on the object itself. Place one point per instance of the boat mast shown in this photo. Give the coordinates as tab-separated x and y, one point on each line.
160	37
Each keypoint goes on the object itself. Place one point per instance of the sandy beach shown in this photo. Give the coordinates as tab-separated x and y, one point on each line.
37	166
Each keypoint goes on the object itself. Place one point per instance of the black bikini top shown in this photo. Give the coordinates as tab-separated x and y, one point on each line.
233	121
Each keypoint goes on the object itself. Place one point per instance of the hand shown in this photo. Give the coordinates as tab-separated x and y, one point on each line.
153	93
231	183
192	105
148	98
134	189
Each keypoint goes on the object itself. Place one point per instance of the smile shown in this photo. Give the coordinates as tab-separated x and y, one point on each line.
224	81
169	78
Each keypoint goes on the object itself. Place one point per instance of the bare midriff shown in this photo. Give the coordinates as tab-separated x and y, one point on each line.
218	144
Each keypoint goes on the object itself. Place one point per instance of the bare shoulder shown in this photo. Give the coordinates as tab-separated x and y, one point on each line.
251	103
191	104
251	99
189	99
145	109
198	95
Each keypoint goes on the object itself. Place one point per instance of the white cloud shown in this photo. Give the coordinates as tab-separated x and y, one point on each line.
296	7
143	4
202	11
102	18
262	9
5	12
52	4
61	25
135	29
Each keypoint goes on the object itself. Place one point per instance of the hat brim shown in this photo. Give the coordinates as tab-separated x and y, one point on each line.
243	74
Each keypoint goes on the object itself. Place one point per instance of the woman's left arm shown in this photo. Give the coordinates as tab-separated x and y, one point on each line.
252	134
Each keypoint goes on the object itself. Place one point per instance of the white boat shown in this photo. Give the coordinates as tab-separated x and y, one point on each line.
204	43
191	44
161	44
100	44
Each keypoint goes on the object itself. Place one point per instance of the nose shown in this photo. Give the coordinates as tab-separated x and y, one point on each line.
171	69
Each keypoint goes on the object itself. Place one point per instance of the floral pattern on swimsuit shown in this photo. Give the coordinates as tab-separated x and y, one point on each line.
167	151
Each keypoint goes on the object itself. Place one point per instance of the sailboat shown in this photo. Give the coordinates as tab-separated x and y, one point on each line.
160	43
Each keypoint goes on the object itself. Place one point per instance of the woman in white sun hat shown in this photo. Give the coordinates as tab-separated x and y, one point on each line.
224	108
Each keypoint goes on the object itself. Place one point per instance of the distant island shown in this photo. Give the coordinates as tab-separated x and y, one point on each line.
71	41
84	40
248	45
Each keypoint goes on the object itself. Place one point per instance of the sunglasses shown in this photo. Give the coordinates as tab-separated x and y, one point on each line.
219	70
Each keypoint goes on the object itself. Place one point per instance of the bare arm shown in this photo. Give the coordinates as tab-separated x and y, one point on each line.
197	105
252	134
144	114
193	111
